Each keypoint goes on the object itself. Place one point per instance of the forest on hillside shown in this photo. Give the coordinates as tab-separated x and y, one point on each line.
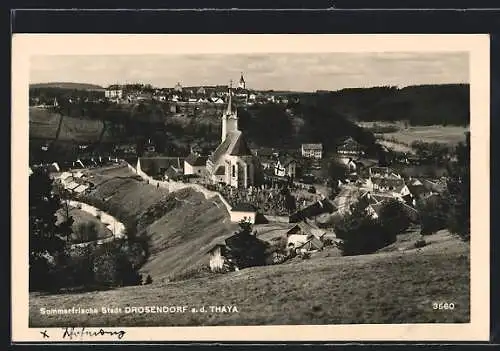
446	104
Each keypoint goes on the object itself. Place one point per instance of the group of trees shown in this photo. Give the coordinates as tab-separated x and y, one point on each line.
451	209
363	234
54	263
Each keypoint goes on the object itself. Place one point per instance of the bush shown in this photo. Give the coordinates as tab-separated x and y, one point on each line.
149	280
312	190
420	243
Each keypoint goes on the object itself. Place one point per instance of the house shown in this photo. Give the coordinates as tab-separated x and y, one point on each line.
113	93
434	186
195	164
285	167
224	253
312	151
311	245
232	162
315	209
243	211
302	232
217	100
217	259
157	166
350	147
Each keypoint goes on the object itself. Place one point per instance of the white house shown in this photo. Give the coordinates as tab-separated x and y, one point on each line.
195	164
243	211
285	167
312	151
114	93
217	259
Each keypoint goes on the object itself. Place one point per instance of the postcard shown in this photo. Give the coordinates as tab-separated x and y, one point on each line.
250	187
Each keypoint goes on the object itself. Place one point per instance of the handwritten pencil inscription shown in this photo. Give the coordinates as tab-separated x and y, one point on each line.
72	333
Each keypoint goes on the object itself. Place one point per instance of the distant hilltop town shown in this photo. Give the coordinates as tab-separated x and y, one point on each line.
134	93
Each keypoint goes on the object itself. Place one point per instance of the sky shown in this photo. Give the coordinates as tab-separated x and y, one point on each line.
296	72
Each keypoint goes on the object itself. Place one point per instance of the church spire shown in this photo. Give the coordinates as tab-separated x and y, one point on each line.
229	110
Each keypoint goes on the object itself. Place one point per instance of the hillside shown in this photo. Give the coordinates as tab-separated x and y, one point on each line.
66	85
387	287
446	104
178	234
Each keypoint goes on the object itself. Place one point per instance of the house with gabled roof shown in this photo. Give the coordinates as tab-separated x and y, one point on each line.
195	164
243	211
232	162
350	147
285	166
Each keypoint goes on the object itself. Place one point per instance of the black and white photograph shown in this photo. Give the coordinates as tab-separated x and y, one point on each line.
171	188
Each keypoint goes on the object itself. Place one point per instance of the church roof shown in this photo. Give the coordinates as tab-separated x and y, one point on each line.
196	160
234	145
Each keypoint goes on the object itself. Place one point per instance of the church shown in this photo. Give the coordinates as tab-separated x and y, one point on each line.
232	162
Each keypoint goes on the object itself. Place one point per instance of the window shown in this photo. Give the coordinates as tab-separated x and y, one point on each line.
234	171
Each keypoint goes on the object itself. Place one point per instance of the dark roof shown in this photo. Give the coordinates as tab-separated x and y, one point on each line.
417	190
234	145
244	206
155	164
196	160
172	172
313	146
300	227
220	170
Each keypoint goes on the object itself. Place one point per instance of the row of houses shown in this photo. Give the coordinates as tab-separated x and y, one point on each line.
300	238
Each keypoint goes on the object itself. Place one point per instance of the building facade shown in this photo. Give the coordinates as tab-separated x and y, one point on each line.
312	151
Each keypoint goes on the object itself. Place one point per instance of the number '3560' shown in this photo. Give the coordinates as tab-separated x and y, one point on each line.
443	306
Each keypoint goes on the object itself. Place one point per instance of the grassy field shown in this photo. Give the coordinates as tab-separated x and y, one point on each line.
44	125
403	138
440	134
388	287
79	217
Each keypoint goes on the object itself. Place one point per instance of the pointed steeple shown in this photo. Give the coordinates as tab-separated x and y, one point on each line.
241	84
229	110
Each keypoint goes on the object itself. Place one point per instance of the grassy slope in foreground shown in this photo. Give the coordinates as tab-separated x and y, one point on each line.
181	226
389	287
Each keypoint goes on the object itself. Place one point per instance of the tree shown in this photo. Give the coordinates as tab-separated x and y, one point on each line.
458	193
433	214
393	216
46	247
362	234
245	249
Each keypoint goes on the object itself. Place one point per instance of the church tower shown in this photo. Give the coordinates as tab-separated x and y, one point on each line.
242	84
230	117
